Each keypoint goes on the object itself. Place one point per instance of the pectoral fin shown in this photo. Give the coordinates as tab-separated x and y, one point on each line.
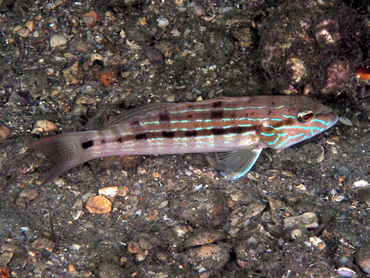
235	163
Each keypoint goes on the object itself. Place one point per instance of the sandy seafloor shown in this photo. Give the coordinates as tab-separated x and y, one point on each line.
300	212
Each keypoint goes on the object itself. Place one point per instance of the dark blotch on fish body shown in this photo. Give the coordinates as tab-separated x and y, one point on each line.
164	117
192	133
217	104
87	144
168	134
218	131
141	136
218	114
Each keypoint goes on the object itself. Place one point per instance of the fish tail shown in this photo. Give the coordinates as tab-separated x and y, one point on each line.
65	150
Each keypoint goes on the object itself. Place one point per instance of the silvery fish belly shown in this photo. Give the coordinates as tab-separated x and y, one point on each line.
234	129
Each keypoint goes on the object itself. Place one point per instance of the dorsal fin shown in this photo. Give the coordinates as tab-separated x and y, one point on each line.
136	113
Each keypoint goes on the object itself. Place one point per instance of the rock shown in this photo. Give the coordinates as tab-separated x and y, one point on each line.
43	244
43	126
99	204
72	74
363	259
5	132
90	18
58	40
29	194
209	257
110	191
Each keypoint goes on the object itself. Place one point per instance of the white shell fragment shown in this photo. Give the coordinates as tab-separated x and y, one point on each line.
360	183
346	272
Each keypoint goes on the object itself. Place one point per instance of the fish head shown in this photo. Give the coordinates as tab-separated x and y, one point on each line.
296	121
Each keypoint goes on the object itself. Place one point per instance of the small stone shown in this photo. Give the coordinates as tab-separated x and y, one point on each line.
361	183
58	40
179	3
163	22
90	18
163	204
345	121
318	242
99	204
29	194
134	247
199	11
209	257
142	255
43	243
108	77
5	132
122	192
43	126
363	258
30	25
76	209
110	191
203	237
5	258
306	221
346	272
72	74
23	32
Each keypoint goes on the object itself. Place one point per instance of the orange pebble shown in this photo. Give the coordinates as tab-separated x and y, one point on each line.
363	73
108	77
98	204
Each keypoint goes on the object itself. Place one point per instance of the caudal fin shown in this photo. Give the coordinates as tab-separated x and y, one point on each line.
64	150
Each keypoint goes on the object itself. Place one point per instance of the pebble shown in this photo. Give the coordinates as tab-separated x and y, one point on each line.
361	183
163	22
43	126
305	221
5	132
110	191
363	259
99	204
72	74
163	204
5	258
346	272
296	234
58	40
43	244
199	11
318	242
76	209
209	257
29	194
345	121
201	208
30	25
23	32
203	237
90	18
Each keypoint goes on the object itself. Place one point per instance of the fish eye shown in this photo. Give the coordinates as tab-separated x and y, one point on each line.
305	116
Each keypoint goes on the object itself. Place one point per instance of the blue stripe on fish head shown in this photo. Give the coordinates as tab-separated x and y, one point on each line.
305	120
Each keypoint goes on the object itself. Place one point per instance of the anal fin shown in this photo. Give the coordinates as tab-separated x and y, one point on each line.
235	163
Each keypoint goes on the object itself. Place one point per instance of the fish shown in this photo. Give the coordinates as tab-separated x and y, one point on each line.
233	131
